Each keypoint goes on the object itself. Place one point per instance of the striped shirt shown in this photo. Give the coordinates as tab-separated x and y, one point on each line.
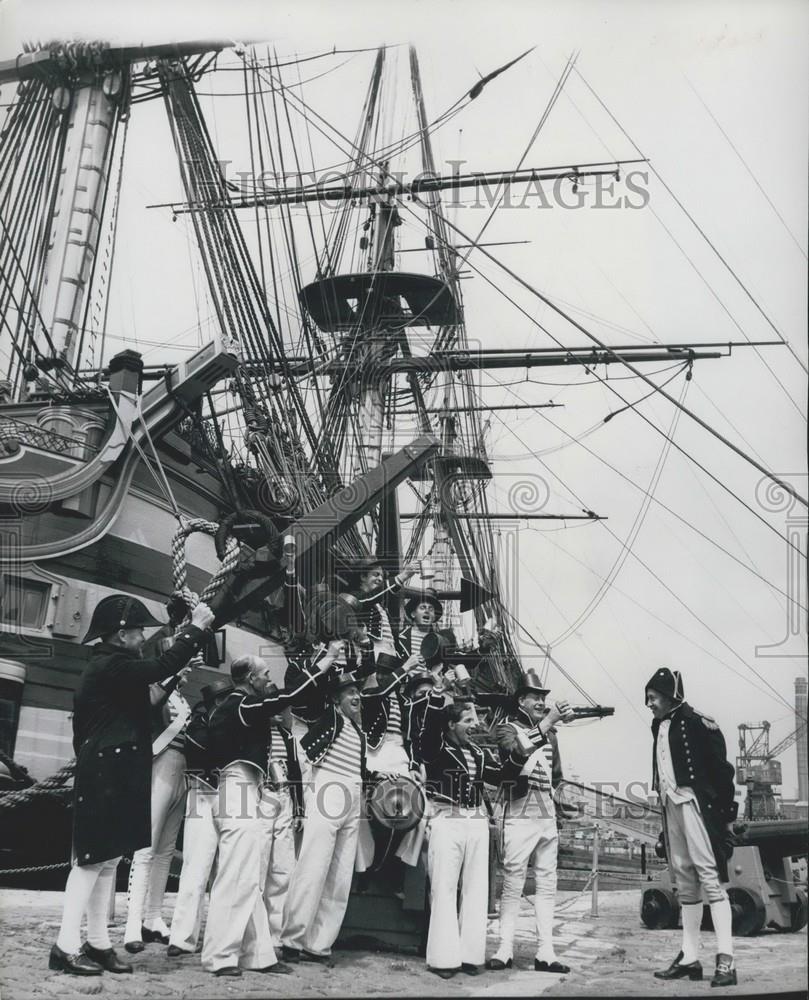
539	780
394	733
169	711
344	756
471	763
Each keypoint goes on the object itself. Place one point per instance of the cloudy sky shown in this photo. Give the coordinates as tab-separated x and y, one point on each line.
715	96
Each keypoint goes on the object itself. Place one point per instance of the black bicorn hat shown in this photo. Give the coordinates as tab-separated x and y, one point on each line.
427	596
119	611
667	682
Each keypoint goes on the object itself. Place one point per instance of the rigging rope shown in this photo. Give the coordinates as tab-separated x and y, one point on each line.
634	531
702	233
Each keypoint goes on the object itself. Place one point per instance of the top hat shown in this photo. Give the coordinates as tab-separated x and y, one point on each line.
667	682
215	689
333	616
531	683
416	677
427	596
119	611
340	681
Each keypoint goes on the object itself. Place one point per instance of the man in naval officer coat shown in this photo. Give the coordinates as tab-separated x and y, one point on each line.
694	779
112	784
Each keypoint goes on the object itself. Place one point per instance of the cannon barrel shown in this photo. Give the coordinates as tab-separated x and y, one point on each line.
789	836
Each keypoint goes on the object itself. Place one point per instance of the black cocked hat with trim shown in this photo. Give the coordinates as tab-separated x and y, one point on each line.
119	611
667	682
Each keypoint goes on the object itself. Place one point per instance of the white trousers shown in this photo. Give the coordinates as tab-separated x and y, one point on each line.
458	854
392	759
691	858
237	932
150	865
321	882
530	837
278	854
199	850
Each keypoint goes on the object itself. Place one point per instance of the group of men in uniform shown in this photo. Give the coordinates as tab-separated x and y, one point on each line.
272	784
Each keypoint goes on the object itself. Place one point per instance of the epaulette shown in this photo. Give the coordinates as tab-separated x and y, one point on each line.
708	721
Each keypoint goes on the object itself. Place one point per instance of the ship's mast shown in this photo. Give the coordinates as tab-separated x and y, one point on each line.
88	84
379	345
73	241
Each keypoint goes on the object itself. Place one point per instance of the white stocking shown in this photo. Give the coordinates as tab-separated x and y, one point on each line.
723	926
692	918
80	884
98	908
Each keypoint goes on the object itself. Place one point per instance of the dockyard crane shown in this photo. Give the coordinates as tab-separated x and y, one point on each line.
758	768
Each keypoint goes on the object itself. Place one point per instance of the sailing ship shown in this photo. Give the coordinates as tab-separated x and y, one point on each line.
333	398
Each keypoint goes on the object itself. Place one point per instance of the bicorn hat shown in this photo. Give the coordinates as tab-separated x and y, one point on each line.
427	596
119	611
531	682
667	682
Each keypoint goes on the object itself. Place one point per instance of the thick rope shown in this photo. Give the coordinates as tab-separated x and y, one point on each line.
52	786
178	560
17	772
48	787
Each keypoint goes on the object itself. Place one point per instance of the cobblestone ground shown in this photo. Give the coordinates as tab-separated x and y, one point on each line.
612	955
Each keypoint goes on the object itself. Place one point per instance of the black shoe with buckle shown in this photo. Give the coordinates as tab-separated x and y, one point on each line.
725	974
279	967
175	951
553	966
77	964
308	956
498	964
692	970
153	937
106	958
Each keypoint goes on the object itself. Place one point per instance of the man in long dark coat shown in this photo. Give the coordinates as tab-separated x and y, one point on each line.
111	790
695	782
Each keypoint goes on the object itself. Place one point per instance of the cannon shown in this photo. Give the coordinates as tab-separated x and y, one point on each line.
762	888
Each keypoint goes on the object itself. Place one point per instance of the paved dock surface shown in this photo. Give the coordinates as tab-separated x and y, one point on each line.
611	955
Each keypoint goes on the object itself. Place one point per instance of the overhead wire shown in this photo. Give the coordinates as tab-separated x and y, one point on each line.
687	523
607	382
699	229
632	535
667	588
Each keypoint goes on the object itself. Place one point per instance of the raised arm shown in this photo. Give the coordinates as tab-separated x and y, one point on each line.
429	737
